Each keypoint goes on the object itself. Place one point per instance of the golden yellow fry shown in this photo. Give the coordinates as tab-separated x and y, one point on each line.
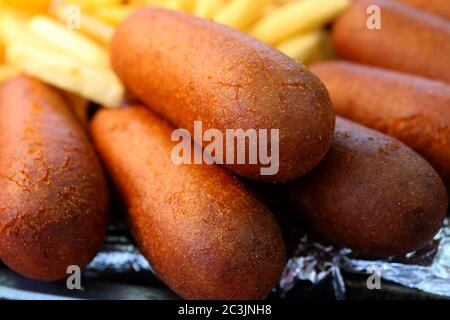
170	4
208	8
180	5
40	61
2	42
12	25
71	43
113	14
297	17
27	5
274	5
149	2
306	48
240	14
87	5
8	72
95	28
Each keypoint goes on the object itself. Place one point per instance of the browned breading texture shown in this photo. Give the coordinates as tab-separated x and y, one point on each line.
205	235
372	194
54	198
414	110
409	40
438	7
188	69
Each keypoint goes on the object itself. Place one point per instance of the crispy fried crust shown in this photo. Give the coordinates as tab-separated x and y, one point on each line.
205	235
53	199
188	69
372	194
412	109
438	7
410	40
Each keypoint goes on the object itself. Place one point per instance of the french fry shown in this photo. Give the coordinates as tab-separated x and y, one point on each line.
8	72
297	17
114	14
306	48
38	60
240	14
12	25
274	5
156	3
180	5
95	28
28	5
207	8
2	44
87	5
71	43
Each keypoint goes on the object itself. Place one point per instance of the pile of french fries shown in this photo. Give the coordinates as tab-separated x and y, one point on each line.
65	42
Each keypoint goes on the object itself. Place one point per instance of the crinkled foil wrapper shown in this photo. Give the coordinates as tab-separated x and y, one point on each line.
118	255
119	271
427	270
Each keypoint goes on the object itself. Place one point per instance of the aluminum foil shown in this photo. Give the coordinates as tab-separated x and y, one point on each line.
427	270
120	272
119	256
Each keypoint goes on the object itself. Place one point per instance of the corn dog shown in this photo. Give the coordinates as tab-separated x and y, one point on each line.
188	69
54	199
201	229
371	194
415	110
438	7
409	40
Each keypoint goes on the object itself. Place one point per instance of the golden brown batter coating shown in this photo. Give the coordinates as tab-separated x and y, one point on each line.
188	69
53	199
438	7
205	235
410	40
372	194
412	109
